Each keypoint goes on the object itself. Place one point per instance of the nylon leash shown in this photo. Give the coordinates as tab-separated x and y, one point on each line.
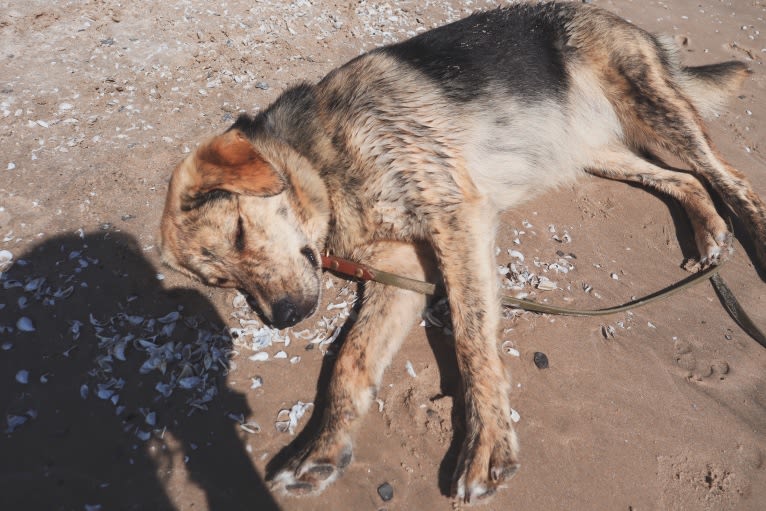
362	272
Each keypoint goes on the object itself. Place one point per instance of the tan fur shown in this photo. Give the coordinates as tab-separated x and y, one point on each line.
378	163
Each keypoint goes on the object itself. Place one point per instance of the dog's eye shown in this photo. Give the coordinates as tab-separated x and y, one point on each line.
309	254
239	241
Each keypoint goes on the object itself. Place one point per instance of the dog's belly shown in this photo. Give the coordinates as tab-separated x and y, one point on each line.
519	148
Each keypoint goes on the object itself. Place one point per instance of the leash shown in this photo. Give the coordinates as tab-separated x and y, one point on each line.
351	269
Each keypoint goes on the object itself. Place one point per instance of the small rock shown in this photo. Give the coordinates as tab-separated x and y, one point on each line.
386	492
541	360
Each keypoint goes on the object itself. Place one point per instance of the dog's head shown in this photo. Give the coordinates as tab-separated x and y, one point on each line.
230	220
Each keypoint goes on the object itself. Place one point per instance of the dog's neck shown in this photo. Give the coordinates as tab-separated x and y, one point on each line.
291	134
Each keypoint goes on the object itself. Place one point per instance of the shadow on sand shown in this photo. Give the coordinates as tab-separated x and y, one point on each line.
120	387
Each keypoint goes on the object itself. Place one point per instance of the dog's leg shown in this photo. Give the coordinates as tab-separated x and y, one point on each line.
710	232
384	320
656	114
464	241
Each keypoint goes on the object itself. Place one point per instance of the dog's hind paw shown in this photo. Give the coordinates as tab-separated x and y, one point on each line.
312	470
713	240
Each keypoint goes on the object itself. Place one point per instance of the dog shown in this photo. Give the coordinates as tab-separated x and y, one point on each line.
403	158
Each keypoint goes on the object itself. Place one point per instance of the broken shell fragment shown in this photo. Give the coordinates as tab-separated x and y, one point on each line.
508	349
6	260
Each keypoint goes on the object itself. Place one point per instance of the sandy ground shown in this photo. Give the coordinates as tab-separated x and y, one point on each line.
121	389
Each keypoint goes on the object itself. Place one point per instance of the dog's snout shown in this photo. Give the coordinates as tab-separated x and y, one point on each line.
285	313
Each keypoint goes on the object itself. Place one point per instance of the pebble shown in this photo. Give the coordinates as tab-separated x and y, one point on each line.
386	492
541	360
22	377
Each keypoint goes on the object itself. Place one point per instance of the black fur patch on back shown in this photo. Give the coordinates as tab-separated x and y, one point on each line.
517	47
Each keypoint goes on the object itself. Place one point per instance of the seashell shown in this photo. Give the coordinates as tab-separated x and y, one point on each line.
295	359
119	350
151	419
545	284
84	391
25	324
23	302
240	301
167	330
189	382
259	357
22	376
143	435
287	420
607	331
508	348
63	293
94	321
257	382
147	344
10	284
104	393
515	417
14	421
280	354
515	253
135	320
171	317
6	260
614	276
164	389
6	346
410	369
251	427
34	284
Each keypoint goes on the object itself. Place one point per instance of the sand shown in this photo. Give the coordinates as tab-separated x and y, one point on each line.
659	408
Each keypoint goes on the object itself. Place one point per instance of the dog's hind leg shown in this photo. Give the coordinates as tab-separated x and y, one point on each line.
656	112
386	316
710	231
464	241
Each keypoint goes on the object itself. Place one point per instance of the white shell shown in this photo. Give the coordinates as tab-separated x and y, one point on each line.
6	260
259	357
22	376
25	324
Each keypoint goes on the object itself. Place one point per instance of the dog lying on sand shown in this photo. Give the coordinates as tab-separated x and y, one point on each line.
403	158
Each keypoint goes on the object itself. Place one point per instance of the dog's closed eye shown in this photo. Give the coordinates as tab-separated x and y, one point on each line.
309	254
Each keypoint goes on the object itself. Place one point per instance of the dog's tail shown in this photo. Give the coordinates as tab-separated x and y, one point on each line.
707	87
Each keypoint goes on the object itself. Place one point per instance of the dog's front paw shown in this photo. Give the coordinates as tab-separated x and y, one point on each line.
485	463
314	468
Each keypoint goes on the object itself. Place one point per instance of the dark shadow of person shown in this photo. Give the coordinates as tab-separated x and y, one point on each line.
114	392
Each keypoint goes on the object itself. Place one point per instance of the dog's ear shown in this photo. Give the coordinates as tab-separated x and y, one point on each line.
230	162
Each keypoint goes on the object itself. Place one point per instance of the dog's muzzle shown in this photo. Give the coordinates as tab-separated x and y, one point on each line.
284	312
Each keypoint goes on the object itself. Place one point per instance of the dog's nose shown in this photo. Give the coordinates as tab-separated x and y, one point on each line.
284	313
